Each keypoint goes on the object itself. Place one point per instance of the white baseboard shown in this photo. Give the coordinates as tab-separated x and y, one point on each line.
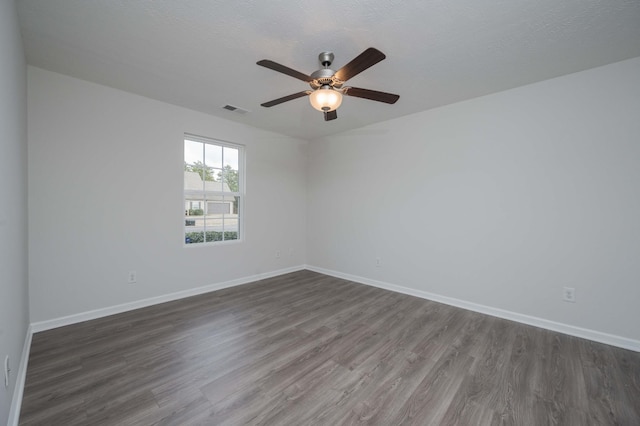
18	390
596	336
129	306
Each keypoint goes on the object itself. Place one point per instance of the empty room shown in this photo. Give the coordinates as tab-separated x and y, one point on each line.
319	213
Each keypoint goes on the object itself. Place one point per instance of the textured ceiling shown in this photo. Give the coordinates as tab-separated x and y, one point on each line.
202	54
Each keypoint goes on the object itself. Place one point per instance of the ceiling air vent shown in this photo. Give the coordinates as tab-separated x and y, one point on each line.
235	109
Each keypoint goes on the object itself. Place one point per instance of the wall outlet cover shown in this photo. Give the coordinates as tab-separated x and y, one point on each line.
569	294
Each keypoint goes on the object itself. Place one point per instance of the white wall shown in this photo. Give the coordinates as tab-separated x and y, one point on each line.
105	197
13	199
498	201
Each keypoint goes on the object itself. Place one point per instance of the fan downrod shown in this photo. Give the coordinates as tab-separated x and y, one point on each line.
326	58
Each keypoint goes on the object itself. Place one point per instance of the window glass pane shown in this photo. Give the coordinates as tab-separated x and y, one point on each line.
193	237
215	184
231	157
217	207
214	221
193	185
193	162
198	173
236	206
213	236
213	156
231	168
193	151
231	220
193	208
230	179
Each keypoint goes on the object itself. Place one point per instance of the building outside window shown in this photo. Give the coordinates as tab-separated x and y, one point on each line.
213	190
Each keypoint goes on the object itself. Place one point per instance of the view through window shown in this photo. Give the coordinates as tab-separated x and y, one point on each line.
213	179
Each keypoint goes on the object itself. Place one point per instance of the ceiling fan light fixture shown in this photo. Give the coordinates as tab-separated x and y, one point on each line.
327	85
325	99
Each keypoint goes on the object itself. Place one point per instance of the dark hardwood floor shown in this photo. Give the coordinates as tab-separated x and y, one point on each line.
308	349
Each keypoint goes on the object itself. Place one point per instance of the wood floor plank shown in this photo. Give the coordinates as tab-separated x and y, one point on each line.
428	403
378	374
309	349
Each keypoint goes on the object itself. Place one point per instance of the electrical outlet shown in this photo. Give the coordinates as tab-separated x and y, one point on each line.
277	254
569	294
378	262
132	278
7	370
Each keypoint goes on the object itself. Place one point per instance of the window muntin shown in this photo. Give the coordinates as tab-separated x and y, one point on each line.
213	179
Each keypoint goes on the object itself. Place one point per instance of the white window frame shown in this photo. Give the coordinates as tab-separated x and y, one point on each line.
240	193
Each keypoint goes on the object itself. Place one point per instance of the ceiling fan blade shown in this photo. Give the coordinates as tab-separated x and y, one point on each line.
330	115
373	95
285	99
284	70
360	63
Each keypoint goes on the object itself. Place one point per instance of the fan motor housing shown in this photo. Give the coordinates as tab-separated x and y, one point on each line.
324	77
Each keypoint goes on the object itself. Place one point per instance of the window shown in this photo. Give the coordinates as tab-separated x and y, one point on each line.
213	194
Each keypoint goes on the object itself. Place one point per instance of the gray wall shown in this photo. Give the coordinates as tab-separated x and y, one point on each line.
13	199
499	201
105	196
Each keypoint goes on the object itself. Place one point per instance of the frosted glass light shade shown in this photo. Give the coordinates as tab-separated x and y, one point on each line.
325	99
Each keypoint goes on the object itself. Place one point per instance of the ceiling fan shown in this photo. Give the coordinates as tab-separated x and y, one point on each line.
327	84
